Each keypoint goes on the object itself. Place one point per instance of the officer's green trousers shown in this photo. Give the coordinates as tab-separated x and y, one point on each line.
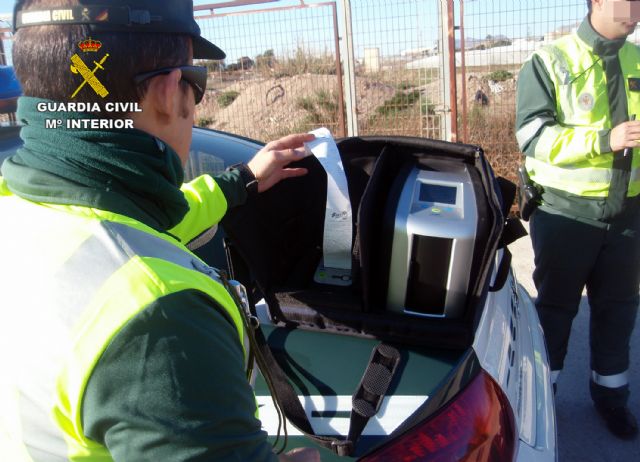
571	254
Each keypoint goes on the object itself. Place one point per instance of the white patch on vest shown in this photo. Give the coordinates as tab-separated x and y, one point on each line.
586	101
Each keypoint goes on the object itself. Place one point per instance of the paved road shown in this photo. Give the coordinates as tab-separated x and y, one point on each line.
581	435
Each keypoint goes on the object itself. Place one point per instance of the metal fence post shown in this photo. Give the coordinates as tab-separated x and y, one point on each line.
3	61
341	131
349	71
463	78
446	50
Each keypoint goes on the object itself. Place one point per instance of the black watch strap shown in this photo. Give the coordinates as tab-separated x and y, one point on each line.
248	178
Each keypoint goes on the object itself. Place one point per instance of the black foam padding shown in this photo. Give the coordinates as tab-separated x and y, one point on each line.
387	351
376	379
364	408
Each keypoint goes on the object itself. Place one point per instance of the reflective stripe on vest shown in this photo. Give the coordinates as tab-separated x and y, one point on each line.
89	278
567	154
530	130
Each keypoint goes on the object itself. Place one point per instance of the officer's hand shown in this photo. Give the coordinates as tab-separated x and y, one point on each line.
268	165
301	455
625	135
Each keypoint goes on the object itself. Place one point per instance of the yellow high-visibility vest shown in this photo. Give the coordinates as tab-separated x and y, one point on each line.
72	277
580	84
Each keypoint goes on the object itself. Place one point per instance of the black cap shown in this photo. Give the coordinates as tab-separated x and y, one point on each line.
163	16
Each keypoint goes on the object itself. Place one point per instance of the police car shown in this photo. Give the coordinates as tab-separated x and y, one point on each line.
485	396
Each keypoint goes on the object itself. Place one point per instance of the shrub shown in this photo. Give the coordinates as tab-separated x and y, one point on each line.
226	98
327	101
404	85
427	108
205	121
322	110
399	102
406	113
303	62
500	75
307	104
266	61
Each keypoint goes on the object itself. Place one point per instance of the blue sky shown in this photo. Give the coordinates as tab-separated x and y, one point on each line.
6	6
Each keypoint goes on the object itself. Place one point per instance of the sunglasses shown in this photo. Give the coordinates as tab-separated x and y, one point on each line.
196	76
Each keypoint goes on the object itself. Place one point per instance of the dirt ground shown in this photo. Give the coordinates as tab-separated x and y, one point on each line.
268	108
272	105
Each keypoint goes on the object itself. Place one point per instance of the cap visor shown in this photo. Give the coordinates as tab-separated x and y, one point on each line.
204	49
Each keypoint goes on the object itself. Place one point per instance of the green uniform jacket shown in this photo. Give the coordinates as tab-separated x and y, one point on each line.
570	95
171	385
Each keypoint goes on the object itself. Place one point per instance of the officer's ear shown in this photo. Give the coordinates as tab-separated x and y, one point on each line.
162	99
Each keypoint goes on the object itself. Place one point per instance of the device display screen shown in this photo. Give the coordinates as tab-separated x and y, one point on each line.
438	193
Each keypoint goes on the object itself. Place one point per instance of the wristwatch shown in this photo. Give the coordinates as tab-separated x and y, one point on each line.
248	178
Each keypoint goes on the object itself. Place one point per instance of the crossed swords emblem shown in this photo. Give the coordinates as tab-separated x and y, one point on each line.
88	75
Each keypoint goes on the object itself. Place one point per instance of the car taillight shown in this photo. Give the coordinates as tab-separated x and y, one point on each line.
477	425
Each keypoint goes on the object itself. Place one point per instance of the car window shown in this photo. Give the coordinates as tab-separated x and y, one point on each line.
9	141
201	162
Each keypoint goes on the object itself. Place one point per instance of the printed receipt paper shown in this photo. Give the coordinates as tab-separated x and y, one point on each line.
338	228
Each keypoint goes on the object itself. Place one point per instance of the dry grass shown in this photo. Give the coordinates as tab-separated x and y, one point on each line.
301	62
297	93
494	133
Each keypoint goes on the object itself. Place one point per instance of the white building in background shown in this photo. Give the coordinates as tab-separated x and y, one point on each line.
514	54
560	31
372	59
424	51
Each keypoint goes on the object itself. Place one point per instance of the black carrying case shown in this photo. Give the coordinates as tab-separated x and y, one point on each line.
275	242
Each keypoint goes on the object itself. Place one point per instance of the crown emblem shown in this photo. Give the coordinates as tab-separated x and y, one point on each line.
90	45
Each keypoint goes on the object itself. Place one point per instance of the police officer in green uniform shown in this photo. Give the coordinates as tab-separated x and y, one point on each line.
576	102
116	342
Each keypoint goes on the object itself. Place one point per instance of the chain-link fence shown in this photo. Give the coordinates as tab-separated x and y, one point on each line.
4	54
282	72
434	68
494	39
395	96
5	58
